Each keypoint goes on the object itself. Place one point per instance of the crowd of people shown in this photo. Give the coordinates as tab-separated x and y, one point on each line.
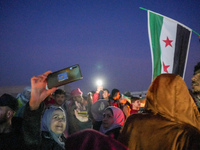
42	119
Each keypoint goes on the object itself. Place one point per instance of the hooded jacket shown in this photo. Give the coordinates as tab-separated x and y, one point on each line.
171	121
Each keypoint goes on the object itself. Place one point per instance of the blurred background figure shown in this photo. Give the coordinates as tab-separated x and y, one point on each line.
106	94
23	98
196	85
97	111
49	101
78	111
98	94
125	104
114	98
101	93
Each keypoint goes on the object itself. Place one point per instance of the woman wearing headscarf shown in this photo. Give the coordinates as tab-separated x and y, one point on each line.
45	133
53	126
113	119
171	121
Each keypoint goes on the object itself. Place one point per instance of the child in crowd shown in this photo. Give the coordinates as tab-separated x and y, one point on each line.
135	105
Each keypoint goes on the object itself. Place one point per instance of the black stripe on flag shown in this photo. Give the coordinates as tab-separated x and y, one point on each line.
181	48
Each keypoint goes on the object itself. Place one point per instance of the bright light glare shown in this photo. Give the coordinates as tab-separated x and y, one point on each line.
99	82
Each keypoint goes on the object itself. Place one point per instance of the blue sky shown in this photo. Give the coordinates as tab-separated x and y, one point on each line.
108	39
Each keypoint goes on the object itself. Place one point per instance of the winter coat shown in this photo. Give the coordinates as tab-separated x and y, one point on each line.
14	139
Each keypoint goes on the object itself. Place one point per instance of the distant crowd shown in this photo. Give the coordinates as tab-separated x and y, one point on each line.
41	119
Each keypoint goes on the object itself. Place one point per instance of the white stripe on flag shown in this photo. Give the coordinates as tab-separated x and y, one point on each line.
167	52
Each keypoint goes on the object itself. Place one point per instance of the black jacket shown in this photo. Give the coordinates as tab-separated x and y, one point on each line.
14	139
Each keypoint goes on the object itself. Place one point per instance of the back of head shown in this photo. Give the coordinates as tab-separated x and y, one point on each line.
98	108
9	101
169	97
128	94
172	119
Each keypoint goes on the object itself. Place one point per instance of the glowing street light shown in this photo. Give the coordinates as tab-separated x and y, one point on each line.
99	82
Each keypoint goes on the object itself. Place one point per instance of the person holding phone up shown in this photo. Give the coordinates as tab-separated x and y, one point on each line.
45	133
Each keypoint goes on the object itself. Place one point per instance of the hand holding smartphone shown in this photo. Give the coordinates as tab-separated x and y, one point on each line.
64	76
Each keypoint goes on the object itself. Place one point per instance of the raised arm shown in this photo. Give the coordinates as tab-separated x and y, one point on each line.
39	91
33	111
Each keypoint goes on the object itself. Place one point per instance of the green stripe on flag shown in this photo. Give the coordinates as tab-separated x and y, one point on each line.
155	22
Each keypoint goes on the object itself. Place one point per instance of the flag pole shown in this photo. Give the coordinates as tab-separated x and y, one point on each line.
192	29
196	33
143	8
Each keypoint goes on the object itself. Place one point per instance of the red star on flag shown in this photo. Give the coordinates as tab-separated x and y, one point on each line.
167	42
165	67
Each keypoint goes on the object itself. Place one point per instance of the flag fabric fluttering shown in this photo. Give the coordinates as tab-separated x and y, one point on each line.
169	42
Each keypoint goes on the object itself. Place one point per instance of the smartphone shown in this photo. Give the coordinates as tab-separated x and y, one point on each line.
83	113
64	76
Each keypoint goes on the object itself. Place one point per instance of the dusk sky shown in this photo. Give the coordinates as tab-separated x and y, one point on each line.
107	38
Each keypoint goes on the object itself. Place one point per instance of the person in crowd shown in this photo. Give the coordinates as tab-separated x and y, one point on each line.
78	112
85	100
196	85
106	94
49	101
114	98
59	97
98	94
113	119
11	136
101	93
97	111
89	139
125	104
45	133
88	104
171	119
135	104
23	98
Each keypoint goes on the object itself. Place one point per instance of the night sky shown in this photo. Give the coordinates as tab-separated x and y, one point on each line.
107	38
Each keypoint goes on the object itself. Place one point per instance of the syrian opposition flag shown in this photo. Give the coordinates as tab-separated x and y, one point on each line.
169	42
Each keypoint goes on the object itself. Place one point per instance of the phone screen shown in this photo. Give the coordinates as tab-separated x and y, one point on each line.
62	76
